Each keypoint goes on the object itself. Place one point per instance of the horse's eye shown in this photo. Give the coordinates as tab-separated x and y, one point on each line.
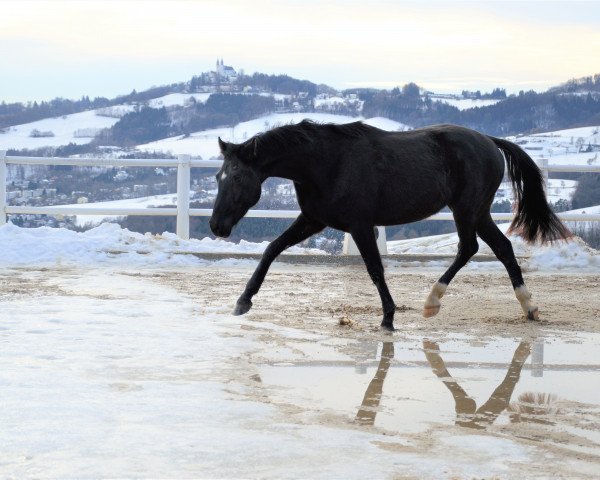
237	178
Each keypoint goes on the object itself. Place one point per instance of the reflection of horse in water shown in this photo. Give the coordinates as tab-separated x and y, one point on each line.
368	410
467	413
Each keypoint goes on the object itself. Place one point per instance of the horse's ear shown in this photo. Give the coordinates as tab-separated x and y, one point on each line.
248	151
224	146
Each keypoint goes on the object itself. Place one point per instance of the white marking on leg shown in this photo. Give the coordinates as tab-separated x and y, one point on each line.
524	298
432	303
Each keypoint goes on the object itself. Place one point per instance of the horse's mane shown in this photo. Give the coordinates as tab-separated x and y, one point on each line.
307	131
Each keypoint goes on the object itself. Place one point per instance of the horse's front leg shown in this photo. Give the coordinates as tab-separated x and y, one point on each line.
300	230
367	246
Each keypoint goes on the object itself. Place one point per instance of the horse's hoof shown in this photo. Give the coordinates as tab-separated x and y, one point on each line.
431	311
388	326
242	307
533	314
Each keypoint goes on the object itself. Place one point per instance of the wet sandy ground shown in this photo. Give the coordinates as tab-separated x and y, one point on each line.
342	301
477	391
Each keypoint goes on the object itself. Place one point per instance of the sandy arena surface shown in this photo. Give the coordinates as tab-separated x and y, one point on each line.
306	384
342	301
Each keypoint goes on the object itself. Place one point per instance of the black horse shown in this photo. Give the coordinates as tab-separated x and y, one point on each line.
352	177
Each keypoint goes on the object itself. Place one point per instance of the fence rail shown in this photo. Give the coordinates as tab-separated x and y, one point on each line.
183	212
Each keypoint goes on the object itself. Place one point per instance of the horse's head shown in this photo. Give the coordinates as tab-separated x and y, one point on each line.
239	184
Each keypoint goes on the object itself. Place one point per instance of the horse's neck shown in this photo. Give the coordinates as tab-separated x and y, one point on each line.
294	167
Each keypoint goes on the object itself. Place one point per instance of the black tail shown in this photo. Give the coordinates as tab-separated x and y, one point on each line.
534	220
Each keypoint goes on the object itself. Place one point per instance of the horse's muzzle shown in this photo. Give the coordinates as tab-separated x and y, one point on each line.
219	230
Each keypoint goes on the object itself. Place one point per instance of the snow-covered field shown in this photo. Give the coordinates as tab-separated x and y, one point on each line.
178	99
204	143
557	189
169	199
465	103
562	146
184	99
65	130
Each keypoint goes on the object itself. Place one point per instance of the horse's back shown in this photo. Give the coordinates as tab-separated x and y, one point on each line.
390	178
426	169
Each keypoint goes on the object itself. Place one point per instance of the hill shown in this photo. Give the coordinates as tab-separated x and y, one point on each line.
223	99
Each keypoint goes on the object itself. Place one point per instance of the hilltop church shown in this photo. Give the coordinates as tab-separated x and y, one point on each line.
225	71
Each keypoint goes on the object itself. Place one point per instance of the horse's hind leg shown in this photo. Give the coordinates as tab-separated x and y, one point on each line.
300	230
467	247
502	248
367	246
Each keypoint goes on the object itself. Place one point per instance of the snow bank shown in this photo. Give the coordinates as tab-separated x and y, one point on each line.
564	255
111	243
560	255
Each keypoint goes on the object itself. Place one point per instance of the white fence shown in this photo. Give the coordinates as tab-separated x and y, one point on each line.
183	212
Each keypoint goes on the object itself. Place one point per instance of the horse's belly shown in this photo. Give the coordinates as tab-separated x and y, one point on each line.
398	211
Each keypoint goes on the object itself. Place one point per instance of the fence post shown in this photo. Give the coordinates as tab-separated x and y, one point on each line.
3	178
350	247
183	197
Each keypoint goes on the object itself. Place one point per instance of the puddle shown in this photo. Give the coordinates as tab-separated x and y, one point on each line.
416	385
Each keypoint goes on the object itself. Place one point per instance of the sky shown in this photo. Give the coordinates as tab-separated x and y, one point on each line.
105	48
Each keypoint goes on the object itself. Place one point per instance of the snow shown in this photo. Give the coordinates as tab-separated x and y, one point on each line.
111	244
184	99
557	189
204	143
169	199
178	99
560	147
466	103
330	101
387	124
593	209
574	254
63	128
